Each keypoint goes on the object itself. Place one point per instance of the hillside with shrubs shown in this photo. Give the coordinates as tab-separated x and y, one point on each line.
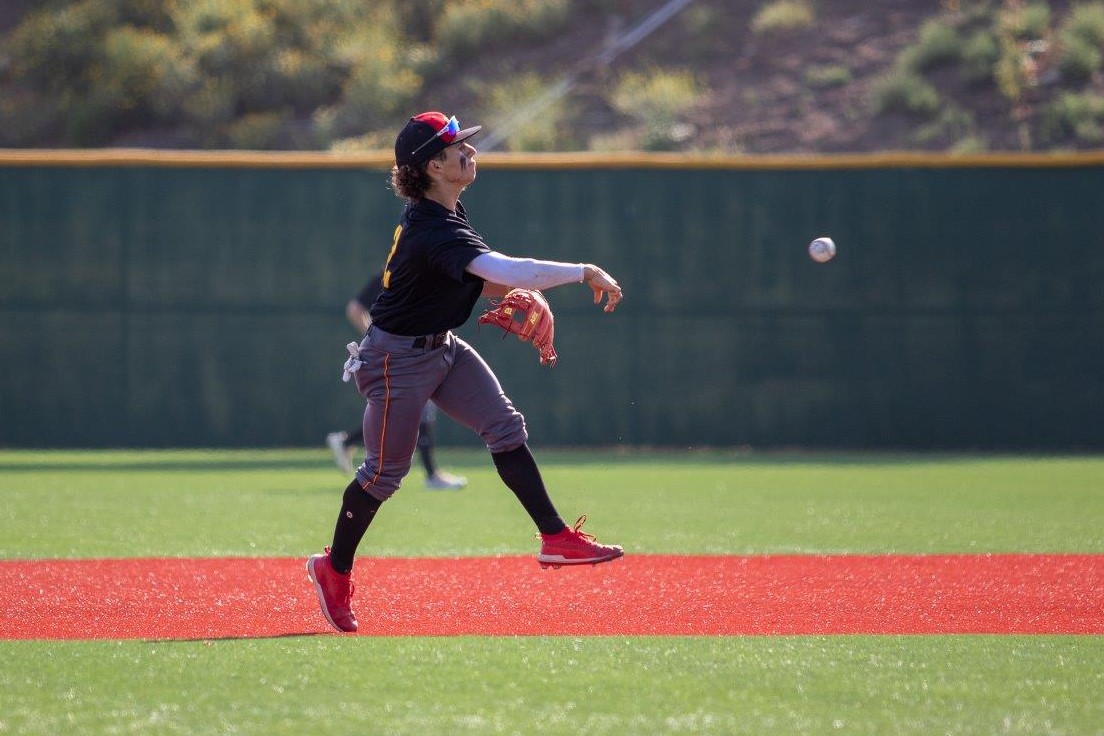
720	76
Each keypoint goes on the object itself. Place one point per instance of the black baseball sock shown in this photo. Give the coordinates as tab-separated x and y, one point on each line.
425	447
519	472
357	511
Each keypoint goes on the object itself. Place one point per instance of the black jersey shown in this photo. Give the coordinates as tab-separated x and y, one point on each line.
425	287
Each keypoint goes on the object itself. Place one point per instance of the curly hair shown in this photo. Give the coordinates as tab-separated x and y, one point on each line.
412	182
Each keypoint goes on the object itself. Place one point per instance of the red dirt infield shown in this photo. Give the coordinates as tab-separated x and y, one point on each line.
213	598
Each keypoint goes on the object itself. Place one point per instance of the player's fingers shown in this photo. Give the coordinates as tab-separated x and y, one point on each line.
613	297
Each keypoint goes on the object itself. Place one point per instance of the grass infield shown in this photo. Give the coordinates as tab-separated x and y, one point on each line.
282	504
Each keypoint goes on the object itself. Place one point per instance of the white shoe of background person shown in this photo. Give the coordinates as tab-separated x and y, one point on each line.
442	481
336	442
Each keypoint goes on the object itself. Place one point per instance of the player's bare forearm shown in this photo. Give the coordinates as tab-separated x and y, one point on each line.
494	291
524	273
498	270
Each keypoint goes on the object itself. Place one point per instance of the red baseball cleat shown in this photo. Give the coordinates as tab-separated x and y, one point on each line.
335	591
573	547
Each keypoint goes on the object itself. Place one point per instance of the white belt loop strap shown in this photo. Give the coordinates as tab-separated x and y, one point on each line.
353	364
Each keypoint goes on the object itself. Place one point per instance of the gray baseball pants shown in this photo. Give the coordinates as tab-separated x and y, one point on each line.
399	375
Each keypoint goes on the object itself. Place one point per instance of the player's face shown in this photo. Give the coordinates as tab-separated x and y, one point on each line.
459	164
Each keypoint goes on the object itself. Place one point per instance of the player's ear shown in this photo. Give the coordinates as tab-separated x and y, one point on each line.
437	163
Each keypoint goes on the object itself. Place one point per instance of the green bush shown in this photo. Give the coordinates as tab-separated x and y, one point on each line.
301	79
658	100
1078	59
903	91
323	128
257	131
377	90
54	49
114	63
379	140
1079	115
227	37
90	118
231	41
198	18
951	125
615	141
1080	41
781	16
379	82
1026	23
1087	22
1036	21
937	44
826	77
152	14
145	73
544	129
969	145
1010	72
211	107
373	94
470	25
99	70
979	57
426	62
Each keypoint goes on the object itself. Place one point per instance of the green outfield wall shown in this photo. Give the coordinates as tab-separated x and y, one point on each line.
198	300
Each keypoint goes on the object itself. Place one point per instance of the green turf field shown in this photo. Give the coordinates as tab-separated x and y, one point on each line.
279	503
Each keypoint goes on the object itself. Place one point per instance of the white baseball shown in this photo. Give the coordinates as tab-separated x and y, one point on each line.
822	250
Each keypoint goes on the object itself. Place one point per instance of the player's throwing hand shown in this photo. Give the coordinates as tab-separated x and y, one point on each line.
601	283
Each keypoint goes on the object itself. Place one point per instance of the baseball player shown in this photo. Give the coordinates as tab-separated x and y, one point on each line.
342	443
437	269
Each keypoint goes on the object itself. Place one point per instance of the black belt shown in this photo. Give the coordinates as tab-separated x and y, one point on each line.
430	341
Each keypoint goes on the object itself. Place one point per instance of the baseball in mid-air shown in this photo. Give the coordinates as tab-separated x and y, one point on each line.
822	250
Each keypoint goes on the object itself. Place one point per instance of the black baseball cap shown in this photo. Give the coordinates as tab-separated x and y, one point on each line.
426	135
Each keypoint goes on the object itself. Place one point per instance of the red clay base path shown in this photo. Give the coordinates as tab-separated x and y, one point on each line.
638	595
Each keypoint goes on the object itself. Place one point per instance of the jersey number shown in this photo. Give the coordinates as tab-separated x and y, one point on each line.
387	266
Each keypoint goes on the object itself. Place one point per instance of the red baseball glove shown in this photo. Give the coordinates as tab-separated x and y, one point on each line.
526	314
